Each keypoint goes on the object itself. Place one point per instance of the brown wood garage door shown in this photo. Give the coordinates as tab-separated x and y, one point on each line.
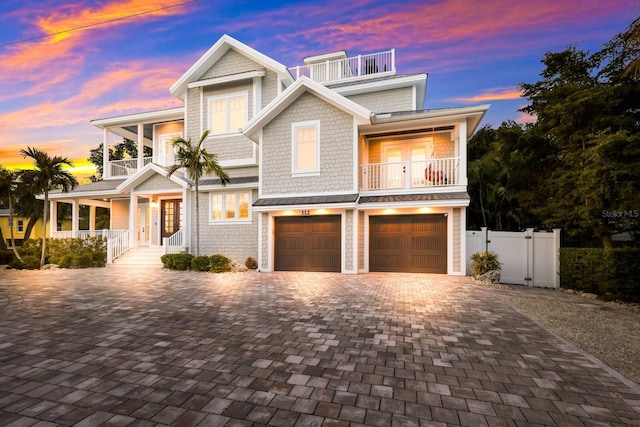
408	243
307	243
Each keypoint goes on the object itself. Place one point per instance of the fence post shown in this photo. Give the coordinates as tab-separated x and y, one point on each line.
529	273
556	259
485	238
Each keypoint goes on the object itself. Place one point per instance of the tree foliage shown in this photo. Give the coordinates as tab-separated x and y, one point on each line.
49	174
578	166
196	162
127	149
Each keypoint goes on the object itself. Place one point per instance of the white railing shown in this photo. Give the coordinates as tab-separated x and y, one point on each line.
175	243
84	234
126	167
347	68
118	245
165	161
409	174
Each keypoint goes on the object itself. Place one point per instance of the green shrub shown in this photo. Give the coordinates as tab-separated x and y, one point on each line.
99	258
167	260
29	262
484	262
182	261
220	263
66	261
200	263
251	264
6	257
84	260
31	247
612	274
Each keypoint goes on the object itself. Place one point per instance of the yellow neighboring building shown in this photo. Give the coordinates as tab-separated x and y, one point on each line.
19	227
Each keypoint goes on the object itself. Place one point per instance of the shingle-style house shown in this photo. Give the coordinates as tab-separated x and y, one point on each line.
334	166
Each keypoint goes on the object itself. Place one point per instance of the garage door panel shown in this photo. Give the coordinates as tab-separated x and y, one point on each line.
411	243
308	243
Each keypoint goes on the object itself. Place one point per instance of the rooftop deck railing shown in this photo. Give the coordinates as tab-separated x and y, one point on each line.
347	68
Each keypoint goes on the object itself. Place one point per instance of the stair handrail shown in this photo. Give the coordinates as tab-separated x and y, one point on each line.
118	245
174	243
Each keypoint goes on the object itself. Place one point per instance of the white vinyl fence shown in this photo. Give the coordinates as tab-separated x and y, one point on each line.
528	258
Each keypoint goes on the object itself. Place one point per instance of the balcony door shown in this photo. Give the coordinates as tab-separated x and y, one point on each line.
406	158
170	219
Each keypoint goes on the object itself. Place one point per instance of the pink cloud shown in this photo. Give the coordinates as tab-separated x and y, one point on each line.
504	94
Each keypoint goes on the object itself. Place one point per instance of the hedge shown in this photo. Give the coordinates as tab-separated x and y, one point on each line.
612	274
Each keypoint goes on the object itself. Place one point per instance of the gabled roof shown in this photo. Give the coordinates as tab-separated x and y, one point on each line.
216	52
146	172
293	92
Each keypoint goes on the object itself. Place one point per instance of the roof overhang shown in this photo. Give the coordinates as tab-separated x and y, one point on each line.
427	119
146	117
145	173
216	52
293	92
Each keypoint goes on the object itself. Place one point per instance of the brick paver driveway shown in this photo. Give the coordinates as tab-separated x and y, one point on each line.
122	346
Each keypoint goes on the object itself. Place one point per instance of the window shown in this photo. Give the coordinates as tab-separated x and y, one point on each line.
230	206
20	226
227	113
306	156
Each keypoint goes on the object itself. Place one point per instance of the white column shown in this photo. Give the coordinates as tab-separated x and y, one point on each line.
140	146
92	218
462	150
133	218
53	218
106	173
75	218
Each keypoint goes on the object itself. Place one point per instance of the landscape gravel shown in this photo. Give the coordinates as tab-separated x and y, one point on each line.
609	331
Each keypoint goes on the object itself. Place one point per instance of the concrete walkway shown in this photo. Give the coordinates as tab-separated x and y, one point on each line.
134	346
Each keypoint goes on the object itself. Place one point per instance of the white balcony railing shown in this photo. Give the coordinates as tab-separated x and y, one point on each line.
347	68
119	168
175	243
118	245
409	174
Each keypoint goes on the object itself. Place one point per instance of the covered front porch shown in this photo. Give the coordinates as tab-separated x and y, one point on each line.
145	210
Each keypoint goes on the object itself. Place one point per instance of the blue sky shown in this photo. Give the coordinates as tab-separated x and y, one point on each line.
474	52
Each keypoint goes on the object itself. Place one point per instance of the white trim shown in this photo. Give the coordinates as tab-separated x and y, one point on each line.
271	243
416	190
239	163
186	128
282	208
230	187
257	96
201	111
146	117
226	79
356	167
227	98
294	148
449	217
414	204
286	195
354	229
343	242
259	242
260	169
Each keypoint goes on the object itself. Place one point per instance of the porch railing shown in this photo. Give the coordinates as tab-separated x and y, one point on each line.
175	243
410	174
84	234
118	245
347	68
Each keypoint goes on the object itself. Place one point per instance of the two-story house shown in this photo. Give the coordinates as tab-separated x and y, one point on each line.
334	166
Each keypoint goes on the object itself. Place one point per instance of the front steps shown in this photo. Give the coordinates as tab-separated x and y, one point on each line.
140	256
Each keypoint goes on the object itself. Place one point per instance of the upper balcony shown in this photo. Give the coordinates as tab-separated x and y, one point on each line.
337	67
128	167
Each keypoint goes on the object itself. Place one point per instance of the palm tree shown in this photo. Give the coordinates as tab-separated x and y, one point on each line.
48	175
197	162
8	184
631	37
27	204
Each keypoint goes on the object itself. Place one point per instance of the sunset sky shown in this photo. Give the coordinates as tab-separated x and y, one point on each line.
125	54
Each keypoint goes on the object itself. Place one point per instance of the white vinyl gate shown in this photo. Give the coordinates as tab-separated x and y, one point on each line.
528	258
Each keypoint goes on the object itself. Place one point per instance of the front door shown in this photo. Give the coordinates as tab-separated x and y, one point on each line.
143	224
169	217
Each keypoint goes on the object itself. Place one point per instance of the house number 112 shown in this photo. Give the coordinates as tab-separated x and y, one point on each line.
305	213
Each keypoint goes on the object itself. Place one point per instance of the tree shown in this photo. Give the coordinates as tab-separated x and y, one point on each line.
27	205
48	175
8	183
589	113
197	162
126	149
631	40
